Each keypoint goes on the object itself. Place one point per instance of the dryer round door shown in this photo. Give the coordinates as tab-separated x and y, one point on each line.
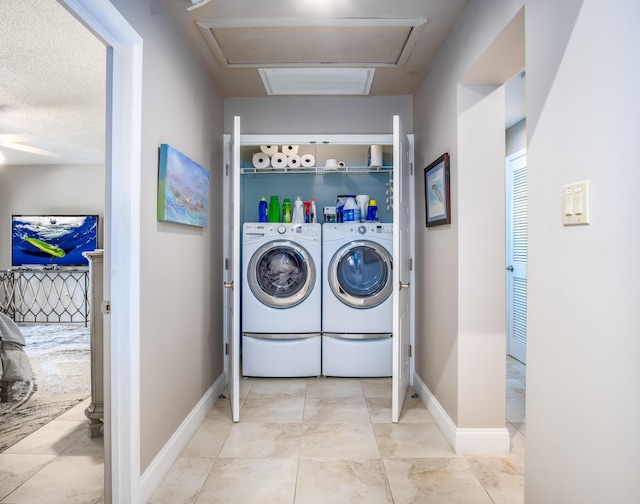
360	274
281	274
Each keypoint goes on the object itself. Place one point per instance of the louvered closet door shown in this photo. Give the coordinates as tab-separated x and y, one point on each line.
517	255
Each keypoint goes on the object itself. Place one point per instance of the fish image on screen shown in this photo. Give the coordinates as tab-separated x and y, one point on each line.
50	240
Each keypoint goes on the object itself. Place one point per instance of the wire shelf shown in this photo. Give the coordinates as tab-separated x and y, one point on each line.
317	170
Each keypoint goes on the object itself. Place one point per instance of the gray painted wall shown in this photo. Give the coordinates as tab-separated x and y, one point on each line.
71	189
516	137
460	328
181	271
583	354
583	351
335	115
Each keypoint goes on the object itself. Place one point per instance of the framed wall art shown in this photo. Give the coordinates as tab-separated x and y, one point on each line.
183	189
437	192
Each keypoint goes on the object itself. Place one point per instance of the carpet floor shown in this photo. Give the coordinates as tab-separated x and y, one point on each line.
60	359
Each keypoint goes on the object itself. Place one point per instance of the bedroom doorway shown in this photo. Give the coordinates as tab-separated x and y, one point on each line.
121	245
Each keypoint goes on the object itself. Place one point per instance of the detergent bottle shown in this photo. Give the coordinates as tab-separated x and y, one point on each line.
263	215
351	211
298	212
274	209
372	211
286	210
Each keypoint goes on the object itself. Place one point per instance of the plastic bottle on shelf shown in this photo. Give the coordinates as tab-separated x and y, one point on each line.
274	209
351	210
298	212
307	211
313	216
340	201
372	211
263	213
286	210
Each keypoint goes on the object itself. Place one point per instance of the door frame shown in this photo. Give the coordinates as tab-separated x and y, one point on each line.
350	139
121	245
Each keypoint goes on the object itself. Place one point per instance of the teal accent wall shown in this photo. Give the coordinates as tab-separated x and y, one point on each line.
323	187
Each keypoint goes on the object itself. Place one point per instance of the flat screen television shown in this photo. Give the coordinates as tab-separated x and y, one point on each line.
52	240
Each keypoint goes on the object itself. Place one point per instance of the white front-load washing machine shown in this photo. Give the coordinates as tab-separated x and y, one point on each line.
357	301
281	299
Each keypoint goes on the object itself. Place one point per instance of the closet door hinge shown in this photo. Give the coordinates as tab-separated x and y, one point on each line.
410	168
226	263
226	169
410	351
226	348
411	264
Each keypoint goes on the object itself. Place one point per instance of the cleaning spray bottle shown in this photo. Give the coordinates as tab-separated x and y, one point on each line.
313	215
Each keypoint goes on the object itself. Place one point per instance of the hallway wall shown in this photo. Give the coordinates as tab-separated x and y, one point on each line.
583	344
181	272
460	325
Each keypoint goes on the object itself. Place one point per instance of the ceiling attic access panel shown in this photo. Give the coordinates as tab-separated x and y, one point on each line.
256	43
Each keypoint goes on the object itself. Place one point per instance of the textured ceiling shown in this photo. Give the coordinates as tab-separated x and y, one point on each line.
52	85
52	70
397	38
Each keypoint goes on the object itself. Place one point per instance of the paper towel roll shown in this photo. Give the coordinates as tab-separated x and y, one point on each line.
331	164
308	161
293	161
375	155
290	150
269	149
261	160
279	160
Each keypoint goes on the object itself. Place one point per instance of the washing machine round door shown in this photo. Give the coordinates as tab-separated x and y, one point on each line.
360	274
281	274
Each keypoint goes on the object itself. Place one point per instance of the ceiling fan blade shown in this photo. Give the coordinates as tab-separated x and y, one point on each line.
16	138
26	148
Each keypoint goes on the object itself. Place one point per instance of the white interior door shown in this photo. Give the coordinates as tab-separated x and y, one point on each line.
516	167
401	268
232	268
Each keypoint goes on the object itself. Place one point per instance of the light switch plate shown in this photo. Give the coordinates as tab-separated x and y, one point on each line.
575	203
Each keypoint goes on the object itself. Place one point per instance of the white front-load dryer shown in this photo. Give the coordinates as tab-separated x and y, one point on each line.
357	299
281	299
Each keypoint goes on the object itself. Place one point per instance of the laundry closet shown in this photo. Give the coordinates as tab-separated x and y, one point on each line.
323	298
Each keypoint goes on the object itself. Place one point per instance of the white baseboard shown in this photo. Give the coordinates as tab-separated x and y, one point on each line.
158	469
463	441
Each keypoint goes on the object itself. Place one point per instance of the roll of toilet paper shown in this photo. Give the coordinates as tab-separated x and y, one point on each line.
341	165
293	161
308	161
261	160
290	150
270	150
279	160
375	155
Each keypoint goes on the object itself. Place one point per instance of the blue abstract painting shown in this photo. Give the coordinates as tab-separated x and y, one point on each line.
183	189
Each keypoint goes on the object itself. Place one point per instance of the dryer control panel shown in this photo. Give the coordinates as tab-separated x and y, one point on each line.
306	231
368	228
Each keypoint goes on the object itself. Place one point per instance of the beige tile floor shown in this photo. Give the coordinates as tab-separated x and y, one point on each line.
57	464
300	441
